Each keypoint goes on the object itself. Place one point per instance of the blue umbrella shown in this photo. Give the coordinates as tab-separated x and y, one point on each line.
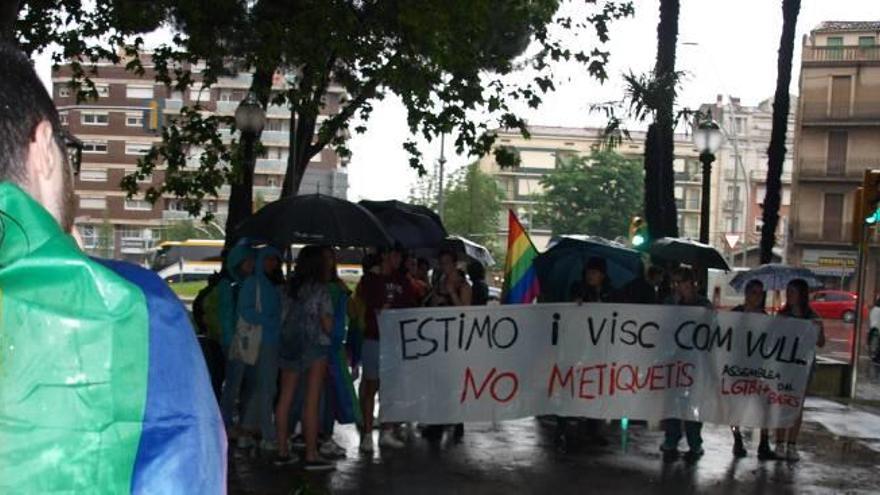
775	276
563	264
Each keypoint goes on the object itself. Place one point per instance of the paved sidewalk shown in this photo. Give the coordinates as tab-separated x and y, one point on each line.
840	449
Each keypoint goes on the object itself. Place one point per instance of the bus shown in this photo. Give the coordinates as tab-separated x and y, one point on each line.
196	259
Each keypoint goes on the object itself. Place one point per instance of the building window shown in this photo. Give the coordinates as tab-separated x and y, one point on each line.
139	92
176	95
94	146
759	224
137	148
89	236
63	91
103	90
835	162
62	117
134	119
835	41
93	175
841	88
94	118
832	217
92	203
131	232
866	41
786	197
138	205
529	187
538	159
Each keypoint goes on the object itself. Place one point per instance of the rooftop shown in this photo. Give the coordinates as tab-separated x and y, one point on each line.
849	26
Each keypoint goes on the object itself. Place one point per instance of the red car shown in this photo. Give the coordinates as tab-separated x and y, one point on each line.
834	304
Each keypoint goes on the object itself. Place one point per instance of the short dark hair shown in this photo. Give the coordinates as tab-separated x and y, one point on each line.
24	103
448	252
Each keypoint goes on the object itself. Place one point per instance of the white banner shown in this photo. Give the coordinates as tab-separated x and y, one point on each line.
448	365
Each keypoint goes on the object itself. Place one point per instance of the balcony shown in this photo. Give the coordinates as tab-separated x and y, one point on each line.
692	204
840	54
175	215
821	113
695	177
852	171
761	176
270	166
282	137
814	232
227	107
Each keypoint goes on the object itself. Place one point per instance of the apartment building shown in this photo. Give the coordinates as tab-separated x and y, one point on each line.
540	154
115	130
837	138
740	178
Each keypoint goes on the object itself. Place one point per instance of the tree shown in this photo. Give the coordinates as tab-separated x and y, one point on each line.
446	60
660	210
595	195
776	150
473	203
651	97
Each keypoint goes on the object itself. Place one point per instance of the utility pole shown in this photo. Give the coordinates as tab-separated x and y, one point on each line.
442	163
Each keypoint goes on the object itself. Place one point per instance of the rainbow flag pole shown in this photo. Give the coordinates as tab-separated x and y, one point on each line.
520	278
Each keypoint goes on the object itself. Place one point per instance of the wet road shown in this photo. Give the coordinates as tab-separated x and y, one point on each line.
840	449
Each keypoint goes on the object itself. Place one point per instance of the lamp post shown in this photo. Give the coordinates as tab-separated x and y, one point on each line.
250	118
707	139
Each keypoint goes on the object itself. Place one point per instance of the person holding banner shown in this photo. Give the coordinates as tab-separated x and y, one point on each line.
755	301
452	290
797	305
595	286
684	286
387	289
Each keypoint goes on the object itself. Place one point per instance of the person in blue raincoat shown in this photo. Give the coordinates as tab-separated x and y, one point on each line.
239	265
267	314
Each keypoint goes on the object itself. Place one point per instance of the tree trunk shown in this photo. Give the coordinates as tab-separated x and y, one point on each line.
8	15
241	194
776	150
660	210
302	131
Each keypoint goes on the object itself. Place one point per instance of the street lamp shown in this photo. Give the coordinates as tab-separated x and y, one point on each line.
250	118
707	139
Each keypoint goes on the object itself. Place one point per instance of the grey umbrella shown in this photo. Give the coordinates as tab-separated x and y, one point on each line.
775	276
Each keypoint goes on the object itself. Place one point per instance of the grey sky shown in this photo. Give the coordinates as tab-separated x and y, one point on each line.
735	54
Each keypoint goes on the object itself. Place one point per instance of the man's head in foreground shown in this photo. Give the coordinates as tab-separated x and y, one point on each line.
32	143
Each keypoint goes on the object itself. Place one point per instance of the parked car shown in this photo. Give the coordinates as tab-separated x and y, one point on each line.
834	304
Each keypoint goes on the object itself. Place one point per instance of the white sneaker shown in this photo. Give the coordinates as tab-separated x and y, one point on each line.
331	450
386	439
366	444
779	451
791	453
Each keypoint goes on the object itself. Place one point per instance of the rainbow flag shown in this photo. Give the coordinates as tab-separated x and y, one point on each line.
520	278
103	386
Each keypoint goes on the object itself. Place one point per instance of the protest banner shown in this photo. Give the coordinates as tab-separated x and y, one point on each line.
448	365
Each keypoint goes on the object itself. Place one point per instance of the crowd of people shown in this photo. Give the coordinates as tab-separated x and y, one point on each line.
312	325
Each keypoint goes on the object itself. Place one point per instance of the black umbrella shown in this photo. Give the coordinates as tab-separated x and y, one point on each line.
689	252
315	219
410	226
563	263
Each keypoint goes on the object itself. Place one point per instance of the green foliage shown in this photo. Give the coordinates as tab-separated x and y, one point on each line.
595	195
472	204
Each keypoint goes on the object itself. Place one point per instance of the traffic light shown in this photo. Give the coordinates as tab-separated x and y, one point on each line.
870	196
638	233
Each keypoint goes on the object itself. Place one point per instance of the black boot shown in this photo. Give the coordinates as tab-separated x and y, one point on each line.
739	450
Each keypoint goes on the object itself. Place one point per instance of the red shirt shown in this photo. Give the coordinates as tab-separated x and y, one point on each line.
377	291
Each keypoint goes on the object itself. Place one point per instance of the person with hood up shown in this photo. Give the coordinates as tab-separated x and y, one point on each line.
267	314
